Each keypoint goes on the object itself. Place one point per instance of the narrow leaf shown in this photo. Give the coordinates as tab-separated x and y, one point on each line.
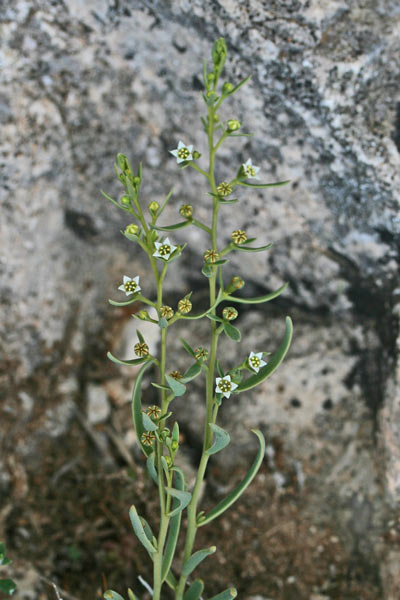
126	303
114	201
192	372
138	529
188	348
238	491
238	86
231	201
262	185
180	225
171	581
130	363
273	363
214	318
131	595
196	559
140	337
164	204
183	498
150	464
226	595
232	332
174	527
258	299
243	248
195	590
137	413
147	530
148	424
161	387
178	388
222	439
8	586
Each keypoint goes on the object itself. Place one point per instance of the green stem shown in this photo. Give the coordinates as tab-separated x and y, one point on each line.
210	413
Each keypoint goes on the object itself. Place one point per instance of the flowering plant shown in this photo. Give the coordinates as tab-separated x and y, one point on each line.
156	427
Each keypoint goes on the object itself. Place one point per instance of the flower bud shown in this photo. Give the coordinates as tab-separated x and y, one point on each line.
196	154
239	236
143	314
153	207
168	460
227	87
216	118
141	349
174	445
201	353
122	162
125	201
186	210
237	282
210	78
230	313
233	125
132	229
136	180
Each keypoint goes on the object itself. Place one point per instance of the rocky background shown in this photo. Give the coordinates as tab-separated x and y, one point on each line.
82	81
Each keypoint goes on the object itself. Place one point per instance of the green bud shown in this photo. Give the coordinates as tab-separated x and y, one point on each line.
219	53
174	446
168	460
132	229
233	125
210	78
227	87
125	201
216	118
230	313
186	210
196	154
153	207
122	162
143	314
237	282
135	180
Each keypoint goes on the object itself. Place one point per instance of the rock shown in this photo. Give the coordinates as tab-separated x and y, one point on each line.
98	406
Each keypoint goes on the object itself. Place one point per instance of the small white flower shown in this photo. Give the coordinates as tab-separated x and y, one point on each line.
250	169
164	249
225	386
182	152
130	286
255	361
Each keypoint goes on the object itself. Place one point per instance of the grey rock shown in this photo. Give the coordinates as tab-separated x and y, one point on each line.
98	406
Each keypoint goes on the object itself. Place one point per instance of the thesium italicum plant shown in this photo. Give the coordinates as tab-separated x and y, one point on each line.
157	427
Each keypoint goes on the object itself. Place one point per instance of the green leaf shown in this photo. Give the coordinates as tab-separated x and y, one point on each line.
230	201
131	595
196	559
180	225
238	86
192	372
164	204
174	527
148	424
195	590
238	491
131	236
273	363
188	348
148	532
130	363
207	270
126	303
137	413
232	332
161	387
244	248
8	586
258	299
183	498
115	202
110	595
176	386
220	262
219	368
262	185
163	323
214	318
222	439
171	580
140	337
150	464
138	529
226	595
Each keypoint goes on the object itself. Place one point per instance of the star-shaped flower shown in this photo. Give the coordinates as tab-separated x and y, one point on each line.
130	286
250	169
225	386
182	152
255	361
164	249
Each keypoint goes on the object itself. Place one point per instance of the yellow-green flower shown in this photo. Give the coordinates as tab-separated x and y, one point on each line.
176	375
201	353
230	313
186	210
239	236
224	189
141	349
184	306
167	312
211	255
154	412
148	438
